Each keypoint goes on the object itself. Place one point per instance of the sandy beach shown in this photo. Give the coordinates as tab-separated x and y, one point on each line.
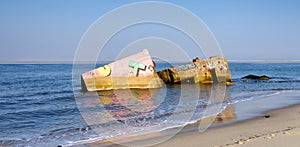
282	128
251	127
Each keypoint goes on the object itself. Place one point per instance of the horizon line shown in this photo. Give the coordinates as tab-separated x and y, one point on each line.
70	61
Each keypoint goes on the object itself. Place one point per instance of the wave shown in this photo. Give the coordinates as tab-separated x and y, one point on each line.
249	98
24	95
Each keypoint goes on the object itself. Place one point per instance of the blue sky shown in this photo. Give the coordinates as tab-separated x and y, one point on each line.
245	30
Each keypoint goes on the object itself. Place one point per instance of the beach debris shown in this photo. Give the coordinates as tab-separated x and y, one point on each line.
248	140
215	69
267	116
135	71
269	137
240	142
255	77
292	133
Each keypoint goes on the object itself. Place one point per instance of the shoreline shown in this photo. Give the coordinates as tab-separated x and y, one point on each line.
263	124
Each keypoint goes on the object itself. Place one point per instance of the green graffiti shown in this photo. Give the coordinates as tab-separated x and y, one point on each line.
136	66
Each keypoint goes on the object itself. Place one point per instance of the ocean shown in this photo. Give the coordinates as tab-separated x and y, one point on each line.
41	105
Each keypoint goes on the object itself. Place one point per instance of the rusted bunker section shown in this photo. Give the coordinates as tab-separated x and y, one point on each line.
214	69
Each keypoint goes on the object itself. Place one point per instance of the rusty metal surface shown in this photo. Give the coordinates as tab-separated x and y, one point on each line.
214	69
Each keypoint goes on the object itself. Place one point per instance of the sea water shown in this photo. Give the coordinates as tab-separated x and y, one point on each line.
41	105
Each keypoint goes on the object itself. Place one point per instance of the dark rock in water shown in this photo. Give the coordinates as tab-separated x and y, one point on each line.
255	77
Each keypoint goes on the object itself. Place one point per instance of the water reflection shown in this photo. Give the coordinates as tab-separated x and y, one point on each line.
227	114
142	105
130	103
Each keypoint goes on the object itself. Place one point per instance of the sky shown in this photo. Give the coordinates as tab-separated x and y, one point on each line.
245	30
